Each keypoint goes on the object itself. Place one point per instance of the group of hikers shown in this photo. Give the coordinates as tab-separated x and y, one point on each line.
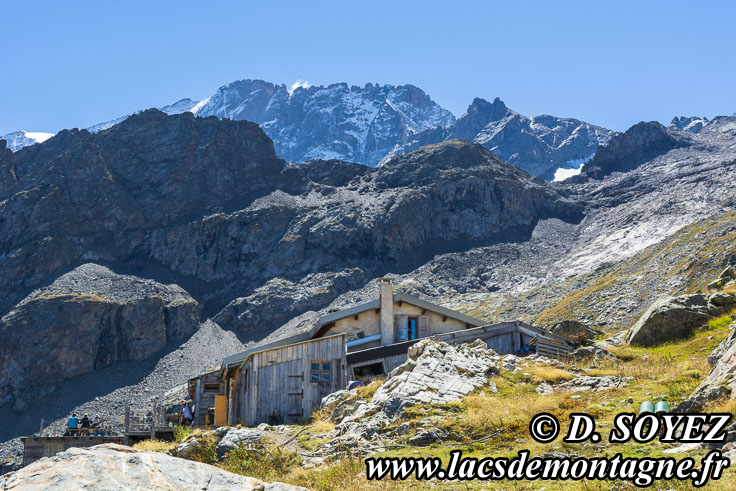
83	425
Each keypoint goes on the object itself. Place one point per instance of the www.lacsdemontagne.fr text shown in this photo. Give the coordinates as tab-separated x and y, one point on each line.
639	471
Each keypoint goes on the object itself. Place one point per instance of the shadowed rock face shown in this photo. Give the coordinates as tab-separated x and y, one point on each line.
87	319
207	204
626	151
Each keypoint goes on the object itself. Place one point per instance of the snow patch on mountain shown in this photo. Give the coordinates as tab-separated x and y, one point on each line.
178	107
19	139
199	106
574	168
303	84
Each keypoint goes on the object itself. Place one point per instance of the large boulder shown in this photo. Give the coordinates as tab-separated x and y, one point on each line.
434	373
238	436
88	319
670	318
113	466
575	331
721	382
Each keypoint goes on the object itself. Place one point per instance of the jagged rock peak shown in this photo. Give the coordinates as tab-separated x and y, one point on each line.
692	124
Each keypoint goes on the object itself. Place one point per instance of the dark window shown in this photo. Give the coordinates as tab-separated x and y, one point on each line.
368	371
212	387
413	328
321	372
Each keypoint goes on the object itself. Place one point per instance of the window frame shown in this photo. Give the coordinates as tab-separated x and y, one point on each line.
54	448
320	372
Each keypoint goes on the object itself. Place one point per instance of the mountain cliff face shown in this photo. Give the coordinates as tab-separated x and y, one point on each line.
626	151
205	203
85	320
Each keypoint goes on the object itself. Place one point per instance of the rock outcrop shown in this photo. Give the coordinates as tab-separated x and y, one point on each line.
670	318
87	319
238	436
113	466
721	382
726	278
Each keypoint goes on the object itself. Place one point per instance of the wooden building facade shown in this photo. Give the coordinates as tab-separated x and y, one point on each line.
35	447
285	384
206	390
283	381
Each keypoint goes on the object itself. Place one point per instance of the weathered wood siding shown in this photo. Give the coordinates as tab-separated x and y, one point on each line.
33	446
275	387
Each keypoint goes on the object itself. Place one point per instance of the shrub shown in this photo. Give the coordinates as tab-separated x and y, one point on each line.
206	451
255	461
180	433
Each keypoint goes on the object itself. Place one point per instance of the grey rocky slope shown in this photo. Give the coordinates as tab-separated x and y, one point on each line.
664	227
107	391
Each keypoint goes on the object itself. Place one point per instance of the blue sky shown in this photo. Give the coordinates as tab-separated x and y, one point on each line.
73	64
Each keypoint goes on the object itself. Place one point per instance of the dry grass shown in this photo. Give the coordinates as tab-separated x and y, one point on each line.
155	445
366	392
549	374
322	426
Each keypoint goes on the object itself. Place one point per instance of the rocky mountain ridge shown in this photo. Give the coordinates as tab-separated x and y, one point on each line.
374	123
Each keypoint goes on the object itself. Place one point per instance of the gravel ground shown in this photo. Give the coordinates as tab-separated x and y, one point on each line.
106	392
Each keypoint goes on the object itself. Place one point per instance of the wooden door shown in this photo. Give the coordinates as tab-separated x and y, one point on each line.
280	393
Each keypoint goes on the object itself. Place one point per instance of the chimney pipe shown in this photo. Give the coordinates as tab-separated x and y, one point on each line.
387	310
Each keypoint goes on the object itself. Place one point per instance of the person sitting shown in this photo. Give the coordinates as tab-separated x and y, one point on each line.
186	414
85	424
96	422
73	425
